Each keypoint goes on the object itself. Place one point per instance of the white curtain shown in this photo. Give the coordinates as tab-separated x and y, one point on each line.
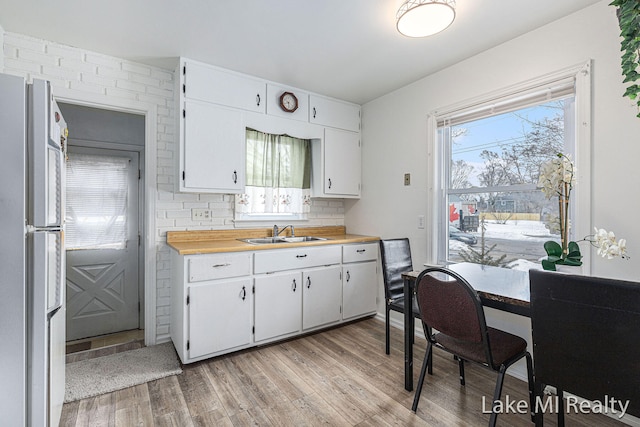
278	175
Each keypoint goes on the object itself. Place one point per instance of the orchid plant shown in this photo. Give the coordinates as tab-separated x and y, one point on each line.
557	178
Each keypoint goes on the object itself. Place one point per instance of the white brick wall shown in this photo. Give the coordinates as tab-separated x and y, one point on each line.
85	72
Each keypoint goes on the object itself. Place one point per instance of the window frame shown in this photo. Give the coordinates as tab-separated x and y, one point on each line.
581	194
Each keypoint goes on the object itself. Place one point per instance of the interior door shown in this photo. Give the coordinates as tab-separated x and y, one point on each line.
101	238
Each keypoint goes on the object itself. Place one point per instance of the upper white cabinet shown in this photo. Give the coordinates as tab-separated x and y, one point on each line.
337	165
212	149
275	92
215	106
334	113
206	83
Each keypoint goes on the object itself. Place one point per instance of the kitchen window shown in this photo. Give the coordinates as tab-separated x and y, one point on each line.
487	155
278	178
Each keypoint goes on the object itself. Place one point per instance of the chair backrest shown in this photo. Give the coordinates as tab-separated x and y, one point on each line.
396	259
586	335
449	304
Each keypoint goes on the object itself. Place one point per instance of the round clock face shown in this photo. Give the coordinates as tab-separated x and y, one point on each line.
288	102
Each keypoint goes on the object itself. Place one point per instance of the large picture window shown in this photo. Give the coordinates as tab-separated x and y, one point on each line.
488	207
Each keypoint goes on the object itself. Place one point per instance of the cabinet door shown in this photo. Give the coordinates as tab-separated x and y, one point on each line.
342	162
206	83
219	316
322	296
214	149
359	289
334	113
278	305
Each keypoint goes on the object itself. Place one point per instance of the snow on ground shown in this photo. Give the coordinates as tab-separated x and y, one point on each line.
518	230
530	231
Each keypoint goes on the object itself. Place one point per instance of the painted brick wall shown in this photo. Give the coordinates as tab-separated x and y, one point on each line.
84	72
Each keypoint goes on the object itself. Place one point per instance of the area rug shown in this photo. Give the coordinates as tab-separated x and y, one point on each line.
92	377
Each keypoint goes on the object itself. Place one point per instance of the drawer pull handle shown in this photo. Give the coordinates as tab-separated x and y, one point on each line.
294	285
258	99
235	177
301	256
308	282
220	265
361	251
348	276
244	293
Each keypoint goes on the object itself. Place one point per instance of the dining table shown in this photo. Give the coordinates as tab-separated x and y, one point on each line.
499	288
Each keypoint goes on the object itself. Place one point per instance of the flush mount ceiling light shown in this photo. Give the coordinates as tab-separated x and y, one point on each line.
421	18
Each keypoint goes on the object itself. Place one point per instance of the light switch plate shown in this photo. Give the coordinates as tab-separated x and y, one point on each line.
407	179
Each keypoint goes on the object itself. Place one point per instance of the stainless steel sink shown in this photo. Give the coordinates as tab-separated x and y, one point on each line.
272	240
264	240
303	239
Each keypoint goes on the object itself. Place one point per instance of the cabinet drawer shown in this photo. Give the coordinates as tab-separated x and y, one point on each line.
211	267
296	258
360	252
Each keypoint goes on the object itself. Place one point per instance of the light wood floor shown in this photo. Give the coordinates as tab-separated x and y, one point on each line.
339	377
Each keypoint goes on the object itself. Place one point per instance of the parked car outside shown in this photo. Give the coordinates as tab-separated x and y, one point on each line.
456	234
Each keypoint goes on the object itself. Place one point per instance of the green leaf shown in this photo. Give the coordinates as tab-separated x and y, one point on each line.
553	249
572	262
573	247
547	265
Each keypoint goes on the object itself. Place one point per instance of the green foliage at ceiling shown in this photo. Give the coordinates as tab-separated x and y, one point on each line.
629	19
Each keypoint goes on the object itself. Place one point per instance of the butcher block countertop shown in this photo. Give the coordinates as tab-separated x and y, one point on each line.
217	241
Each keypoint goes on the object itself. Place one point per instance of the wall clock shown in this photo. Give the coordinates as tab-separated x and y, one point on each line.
288	102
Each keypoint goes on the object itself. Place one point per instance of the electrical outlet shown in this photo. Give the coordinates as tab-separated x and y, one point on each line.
200	214
420	221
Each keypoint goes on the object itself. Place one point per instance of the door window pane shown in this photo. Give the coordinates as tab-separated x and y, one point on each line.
96	208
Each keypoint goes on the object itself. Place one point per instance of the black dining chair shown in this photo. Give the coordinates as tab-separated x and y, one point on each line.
449	305
396	259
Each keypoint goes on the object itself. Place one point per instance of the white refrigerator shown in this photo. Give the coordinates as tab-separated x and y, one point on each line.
32	264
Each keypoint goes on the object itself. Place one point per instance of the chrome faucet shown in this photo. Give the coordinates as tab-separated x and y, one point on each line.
276	231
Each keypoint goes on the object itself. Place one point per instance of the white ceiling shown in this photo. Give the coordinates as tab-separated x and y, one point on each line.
347	49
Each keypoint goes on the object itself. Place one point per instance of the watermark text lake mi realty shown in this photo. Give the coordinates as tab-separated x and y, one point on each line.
551	404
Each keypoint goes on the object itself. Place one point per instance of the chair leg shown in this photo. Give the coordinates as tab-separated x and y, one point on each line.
386	325
496	395
560	408
461	365
539	393
430	368
532	394
425	362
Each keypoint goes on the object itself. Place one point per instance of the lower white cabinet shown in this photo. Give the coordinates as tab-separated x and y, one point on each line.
359	279
359	282
219	316
278	305
211	304
322	297
230	301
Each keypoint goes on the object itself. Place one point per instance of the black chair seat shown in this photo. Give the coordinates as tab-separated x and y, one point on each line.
503	347
398	305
